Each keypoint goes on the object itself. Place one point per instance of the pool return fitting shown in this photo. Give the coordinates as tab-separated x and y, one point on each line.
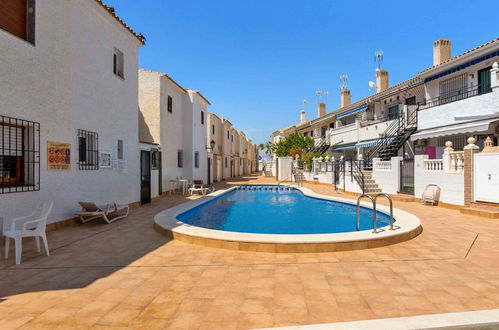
373	200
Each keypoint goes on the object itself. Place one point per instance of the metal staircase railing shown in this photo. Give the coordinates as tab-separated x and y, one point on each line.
402	127
357	173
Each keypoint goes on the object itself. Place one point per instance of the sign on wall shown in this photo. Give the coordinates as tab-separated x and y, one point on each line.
58	156
105	159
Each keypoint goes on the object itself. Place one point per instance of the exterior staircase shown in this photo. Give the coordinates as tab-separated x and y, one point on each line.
394	137
370	185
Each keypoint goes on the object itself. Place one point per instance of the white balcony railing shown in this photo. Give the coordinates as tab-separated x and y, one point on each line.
433	165
383	165
452	162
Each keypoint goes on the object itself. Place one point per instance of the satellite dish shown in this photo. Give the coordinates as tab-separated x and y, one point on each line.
372	84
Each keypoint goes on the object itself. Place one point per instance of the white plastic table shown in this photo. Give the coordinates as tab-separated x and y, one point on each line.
184	183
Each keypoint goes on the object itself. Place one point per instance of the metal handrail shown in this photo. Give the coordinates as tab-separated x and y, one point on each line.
391	207
373	200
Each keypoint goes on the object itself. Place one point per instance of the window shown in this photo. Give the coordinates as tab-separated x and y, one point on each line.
484	81
170	104
393	112
225	162
453	87
202	117
120	149
232	138
88	150
155	159
212	129
227	135
19	155
118	63
196	159
18	18
180	158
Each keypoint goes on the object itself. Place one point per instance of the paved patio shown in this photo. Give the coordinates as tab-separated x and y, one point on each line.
127	275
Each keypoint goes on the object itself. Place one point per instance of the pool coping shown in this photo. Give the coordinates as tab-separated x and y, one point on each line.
166	223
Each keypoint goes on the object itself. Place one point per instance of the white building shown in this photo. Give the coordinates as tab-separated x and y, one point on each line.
69	81
172	122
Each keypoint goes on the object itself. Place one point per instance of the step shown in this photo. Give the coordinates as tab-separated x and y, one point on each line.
481	212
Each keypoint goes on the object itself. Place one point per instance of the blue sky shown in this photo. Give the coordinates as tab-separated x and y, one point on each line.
256	60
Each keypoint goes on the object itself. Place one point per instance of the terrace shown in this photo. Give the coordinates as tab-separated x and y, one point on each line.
127	274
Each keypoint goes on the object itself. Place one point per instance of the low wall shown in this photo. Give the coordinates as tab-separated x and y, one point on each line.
387	174
451	185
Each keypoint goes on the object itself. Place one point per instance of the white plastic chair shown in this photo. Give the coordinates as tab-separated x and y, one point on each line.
23	227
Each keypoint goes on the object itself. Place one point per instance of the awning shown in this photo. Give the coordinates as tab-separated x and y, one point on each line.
351	112
345	146
468	127
372	142
362	144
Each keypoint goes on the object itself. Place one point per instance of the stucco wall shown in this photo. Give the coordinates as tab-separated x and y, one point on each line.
66	83
451	185
445	114
388	179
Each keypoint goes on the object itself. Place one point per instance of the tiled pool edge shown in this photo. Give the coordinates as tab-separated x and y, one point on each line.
484	319
166	223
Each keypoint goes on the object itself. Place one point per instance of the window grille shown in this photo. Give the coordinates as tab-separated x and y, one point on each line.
154	159
453	86
196	159
19	155
170	104
180	158
88	150
458	141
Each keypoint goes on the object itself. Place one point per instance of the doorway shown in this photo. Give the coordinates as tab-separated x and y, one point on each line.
209	170
145	176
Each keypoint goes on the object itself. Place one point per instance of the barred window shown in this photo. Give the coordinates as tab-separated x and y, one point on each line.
19	155
180	158
196	159
170	104
154	159
88	150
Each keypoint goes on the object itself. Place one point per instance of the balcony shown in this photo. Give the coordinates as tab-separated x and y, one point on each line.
456	95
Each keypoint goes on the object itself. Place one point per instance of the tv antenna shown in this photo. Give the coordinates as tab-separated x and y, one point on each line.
343	82
319	94
378	57
305	104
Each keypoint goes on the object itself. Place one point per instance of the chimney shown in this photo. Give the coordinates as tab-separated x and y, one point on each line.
381	80
345	97
441	51
321	110
302	117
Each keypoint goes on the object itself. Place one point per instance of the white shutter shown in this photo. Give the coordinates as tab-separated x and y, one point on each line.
11	141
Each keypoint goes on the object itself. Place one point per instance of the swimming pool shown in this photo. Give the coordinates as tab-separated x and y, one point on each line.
276	210
259	218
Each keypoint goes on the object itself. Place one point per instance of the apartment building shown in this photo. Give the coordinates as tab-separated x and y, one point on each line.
229	149
461	99
173	122
68	115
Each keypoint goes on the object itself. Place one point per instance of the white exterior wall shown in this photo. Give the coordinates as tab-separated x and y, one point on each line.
284	170
66	82
197	138
451	185
172	130
344	134
485	104
388	179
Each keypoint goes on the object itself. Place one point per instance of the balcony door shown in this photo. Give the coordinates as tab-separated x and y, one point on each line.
484	81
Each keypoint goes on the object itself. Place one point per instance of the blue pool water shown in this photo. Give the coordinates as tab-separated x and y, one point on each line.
263	210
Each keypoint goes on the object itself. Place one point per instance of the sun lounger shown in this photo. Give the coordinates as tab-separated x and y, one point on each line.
91	211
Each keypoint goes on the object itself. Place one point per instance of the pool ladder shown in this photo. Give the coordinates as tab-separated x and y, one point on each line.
373	200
